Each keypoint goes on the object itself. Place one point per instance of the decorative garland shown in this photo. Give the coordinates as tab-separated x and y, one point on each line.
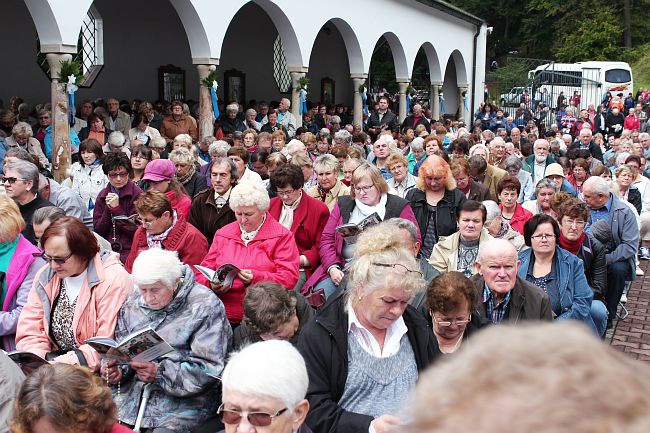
303	82
211	83
72	71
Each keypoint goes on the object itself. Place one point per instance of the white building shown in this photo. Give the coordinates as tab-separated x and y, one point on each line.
126	41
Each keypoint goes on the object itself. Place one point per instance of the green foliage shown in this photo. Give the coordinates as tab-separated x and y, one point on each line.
303	82
583	43
639	59
71	68
212	76
514	73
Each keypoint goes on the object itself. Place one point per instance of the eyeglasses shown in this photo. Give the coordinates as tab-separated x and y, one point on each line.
398	266
257	419
446	324
542	237
359	189
11	180
574	223
58	260
122	174
285	194
142	222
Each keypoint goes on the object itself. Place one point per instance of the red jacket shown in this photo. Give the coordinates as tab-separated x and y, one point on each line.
272	256
309	220
519	218
182	204
632	123
191	245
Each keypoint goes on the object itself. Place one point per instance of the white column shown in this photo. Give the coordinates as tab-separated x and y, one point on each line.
463	88
295	94
61	156
403	85
357	81
206	113
435	107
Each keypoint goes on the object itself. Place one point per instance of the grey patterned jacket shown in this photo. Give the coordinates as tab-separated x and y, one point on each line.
194	323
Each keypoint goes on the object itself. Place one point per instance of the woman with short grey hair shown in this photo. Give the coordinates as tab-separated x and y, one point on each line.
513	165
261	249
544	191
22	136
366	350
116	142
193	321
498	228
269	375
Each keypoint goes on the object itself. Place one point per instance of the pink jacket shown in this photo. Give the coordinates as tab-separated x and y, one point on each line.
106	287
22	269
272	256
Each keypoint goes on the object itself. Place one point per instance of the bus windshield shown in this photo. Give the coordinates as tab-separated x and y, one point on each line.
618	76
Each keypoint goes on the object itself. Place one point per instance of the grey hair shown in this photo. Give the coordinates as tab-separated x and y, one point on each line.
512	161
249	111
22	128
184	138
157	266
324	132
343	135
326	161
545	183
181	155
116	138
47	213
404	224
493	210
417	143
644	135
231	165
621	157
335	119
272	368
208	140
234	107
219	148
250	193
597	184
26	170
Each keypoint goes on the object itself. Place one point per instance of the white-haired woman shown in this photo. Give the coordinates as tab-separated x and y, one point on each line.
264	389
232	123
544	191
193	321
22	136
367	346
182	140
256	243
116	142
186	172
329	188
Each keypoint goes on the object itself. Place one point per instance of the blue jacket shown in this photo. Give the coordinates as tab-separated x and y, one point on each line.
3	150
74	142
625	235
575	293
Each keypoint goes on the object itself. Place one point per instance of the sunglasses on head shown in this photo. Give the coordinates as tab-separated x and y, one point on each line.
257	419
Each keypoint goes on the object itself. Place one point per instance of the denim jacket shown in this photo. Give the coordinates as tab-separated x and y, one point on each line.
575	293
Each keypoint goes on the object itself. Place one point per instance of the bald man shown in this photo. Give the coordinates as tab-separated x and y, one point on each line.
501	294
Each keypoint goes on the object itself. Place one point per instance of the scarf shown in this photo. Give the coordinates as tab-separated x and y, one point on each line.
249	236
286	215
366	210
188	176
155	241
572	246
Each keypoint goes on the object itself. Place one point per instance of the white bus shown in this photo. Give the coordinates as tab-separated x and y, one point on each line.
592	80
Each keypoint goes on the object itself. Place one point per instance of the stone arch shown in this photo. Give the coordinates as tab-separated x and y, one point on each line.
195	31
399	58
435	71
461	70
285	30
58	24
352	46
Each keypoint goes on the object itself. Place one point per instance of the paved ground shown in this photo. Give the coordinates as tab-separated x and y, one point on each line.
631	335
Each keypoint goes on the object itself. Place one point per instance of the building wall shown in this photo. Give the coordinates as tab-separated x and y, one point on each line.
329	60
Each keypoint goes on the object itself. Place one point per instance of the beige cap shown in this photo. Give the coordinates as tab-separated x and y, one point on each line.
554	169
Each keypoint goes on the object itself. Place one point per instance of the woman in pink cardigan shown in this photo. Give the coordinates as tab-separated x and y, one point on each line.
18	266
75	298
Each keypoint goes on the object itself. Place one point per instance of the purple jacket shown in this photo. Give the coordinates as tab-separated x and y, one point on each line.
102	217
331	243
23	266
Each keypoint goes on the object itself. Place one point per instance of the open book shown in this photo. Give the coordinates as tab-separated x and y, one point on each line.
224	276
352	229
26	359
144	345
132	221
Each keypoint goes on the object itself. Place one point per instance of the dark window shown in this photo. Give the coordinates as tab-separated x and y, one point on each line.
618	76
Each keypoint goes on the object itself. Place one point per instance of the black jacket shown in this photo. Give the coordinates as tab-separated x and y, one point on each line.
592	253
594	149
195	184
324	345
446	223
634	197
527	302
230	126
410	121
388	121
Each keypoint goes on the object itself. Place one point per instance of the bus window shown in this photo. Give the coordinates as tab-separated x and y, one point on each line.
618	76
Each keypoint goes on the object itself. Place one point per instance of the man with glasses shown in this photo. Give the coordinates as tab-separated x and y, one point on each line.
624	241
20	181
210	208
501	295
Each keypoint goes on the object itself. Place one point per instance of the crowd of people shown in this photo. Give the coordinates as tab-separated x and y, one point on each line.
373	250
